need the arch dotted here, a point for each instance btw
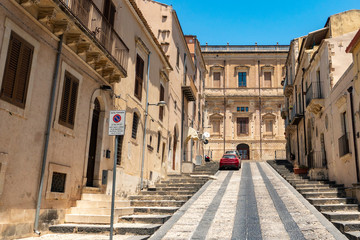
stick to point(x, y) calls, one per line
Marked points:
point(244, 151)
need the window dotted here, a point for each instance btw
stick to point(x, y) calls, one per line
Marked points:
point(267, 79)
point(177, 56)
point(158, 143)
point(109, 11)
point(17, 71)
point(68, 102)
point(162, 98)
point(119, 149)
point(242, 126)
point(269, 126)
point(139, 77)
point(242, 109)
point(242, 79)
point(135, 126)
point(216, 127)
point(58, 182)
point(216, 79)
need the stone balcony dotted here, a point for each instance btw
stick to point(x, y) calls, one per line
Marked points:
point(189, 89)
point(244, 92)
point(85, 31)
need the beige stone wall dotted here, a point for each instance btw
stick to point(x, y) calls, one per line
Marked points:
point(248, 97)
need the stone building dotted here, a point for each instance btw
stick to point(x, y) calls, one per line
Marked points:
point(64, 66)
point(243, 97)
point(320, 100)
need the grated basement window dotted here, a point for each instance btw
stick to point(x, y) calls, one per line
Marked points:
point(58, 182)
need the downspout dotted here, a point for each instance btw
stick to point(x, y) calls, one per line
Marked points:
point(47, 134)
point(298, 146)
point(350, 89)
point(145, 121)
point(260, 109)
point(303, 108)
point(183, 115)
point(224, 105)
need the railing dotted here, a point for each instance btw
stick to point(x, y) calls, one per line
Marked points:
point(93, 19)
point(245, 48)
point(313, 92)
point(317, 159)
point(213, 92)
point(343, 145)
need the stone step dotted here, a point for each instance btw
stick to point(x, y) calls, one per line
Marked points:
point(197, 185)
point(353, 235)
point(319, 189)
point(102, 211)
point(347, 226)
point(336, 207)
point(184, 181)
point(150, 219)
point(91, 190)
point(101, 204)
point(304, 185)
point(158, 203)
point(79, 228)
point(97, 197)
point(322, 201)
point(177, 193)
point(189, 188)
point(155, 210)
point(322, 194)
point(136, 228)
point(87, 219)
point(161, 197)
point(342, 216)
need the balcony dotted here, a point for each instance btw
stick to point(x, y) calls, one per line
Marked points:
point(189, 89)
point(245, 48)
point(284, 112)
point(243, 92)
point(296, 115)
point(288, 88)
point(343, 145)
point(314, 99)
point(86, 32)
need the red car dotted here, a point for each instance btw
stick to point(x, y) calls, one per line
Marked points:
point(229, 161)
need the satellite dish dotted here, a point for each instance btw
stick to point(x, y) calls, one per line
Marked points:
point(206, 134)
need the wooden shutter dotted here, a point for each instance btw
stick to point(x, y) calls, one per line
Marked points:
point(139, 77)
point(162, 98)
point(69, 100)
point(242, 126)
point(134, 126)
point(17, 71)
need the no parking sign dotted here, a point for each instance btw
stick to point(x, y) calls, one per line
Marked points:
point(117, 123)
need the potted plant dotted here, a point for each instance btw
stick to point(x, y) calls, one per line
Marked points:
point(301, 169)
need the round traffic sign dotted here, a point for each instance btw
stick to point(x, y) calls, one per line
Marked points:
point(117, 118)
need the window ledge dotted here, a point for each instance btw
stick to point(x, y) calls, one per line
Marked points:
point(346, 157)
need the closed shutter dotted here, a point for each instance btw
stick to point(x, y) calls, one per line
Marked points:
point(17, 71)
point(119, 149)
point(242, 126)
point(69, 100)
point(267, 78)
point(139, 77)
point(162, 98)
point(135, 126)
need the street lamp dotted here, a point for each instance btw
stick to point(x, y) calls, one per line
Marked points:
point(159, 104)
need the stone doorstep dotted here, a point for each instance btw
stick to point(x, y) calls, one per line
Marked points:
point(150, 219)
point(342, 216)
point(98, 197)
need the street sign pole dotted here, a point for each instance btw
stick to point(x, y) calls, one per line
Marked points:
point(116, 128)
point(113, 191)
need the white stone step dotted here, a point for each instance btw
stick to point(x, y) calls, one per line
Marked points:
point(102, 211)
point(87, 219)
point(101, 204)
point(97, 197)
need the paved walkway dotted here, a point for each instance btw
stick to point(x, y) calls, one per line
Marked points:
point(253, 203)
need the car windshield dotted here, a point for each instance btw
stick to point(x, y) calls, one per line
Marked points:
point(229, 156)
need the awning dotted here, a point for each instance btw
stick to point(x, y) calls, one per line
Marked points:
point(192, 134)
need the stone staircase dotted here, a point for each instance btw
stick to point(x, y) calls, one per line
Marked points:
point(327, 196)
point(141, 215)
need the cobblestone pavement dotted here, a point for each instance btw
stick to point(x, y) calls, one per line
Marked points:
point(253, 203)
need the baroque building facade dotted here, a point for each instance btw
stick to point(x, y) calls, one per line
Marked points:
point(243, 98)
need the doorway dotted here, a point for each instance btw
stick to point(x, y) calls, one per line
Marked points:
point(92, 146)
point(244, 151)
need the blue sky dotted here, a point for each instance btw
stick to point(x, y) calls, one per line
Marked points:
point(247, 22)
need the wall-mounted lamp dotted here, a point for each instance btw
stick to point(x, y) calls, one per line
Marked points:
point(159, 104)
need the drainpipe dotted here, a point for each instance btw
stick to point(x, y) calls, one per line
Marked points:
point(298, 146)
point(260, 108)
point(47, 134)
point(350, 89)
point(183, 116)
point(145, 121)
point(303, 108)
point(224, 105)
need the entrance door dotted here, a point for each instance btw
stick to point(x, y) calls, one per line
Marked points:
point(174, 149)
point(244, 151)
point(92, 147)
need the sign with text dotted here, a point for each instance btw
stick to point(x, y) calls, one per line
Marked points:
point(117, 123)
